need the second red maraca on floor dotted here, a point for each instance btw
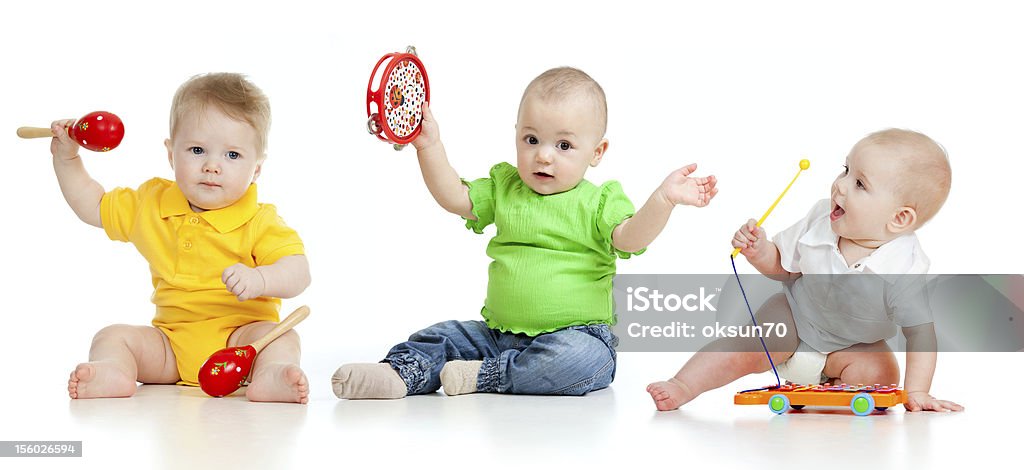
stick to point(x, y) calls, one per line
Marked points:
point(227, 369)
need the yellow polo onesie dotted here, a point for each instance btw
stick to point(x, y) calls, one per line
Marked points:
point(187, 253)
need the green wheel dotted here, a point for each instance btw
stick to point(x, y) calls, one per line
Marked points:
point(779, 404)
point(862, 404)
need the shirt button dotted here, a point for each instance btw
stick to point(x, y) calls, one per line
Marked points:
point(194, 220)
point(187, 245)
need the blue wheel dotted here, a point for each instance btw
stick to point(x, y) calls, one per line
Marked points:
point(779, 404)
point(862, 404)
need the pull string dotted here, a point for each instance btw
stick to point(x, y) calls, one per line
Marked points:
point(751, 311)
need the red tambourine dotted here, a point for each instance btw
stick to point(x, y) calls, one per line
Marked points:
point(395, 109)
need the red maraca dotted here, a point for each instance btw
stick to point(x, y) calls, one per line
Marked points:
point(226, 370)
point(98, 131)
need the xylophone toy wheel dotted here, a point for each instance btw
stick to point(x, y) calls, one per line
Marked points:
point(779, 404)
point(862, 403)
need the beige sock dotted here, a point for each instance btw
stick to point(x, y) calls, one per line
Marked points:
point(459, 377)
point(377, 380)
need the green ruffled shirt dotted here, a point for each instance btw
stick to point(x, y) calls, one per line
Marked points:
point(553, 255)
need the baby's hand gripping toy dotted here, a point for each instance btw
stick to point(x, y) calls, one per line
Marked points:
point(98, 131)
point(226, 370)
point(395, 109)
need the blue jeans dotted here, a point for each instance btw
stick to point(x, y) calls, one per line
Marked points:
point(571, 361)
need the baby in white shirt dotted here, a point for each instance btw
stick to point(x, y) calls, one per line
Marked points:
point(893, 182)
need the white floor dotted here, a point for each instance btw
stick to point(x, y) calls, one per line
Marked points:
point(178, 427)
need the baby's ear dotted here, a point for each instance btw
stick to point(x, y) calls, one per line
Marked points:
point(170, 154)
point(599, 152)
point(903, 221)
point(259, 167)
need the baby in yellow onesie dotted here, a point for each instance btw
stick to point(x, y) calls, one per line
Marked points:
point(220, 261)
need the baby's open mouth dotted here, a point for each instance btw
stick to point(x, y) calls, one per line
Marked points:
point(542, 175)
point(837, 212)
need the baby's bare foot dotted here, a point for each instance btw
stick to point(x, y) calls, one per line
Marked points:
point(669, 395)
point(285, 383)
point(360, 381)
point(100, 380)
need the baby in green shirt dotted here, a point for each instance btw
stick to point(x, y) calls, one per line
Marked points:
point(549, 303)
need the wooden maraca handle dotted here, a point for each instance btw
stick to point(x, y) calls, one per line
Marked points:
point(288, 323)
point(34, 132)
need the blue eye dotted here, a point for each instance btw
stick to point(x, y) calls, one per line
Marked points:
point(234, 155)
point(563, 145)
point(196, 150)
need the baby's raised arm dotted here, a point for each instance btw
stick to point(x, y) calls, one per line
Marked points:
point(635, 233)
point(441, 179)
point(81, 192)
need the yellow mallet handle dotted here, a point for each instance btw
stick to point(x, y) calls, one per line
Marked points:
point(804, 164)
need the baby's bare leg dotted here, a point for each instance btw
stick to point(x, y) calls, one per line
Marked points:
point(728, 359)
point(866, 364)
point(276, 375)
point(121, 355)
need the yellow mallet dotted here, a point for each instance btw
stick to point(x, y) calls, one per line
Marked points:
point(804, 164)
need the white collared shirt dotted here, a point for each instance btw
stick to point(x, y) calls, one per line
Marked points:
point(835, 312)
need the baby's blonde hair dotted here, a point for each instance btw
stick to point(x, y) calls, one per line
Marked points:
point(924, 184)
point(231, 93)
point(564, 82)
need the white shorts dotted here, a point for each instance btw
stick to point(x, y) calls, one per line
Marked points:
point(804, 367)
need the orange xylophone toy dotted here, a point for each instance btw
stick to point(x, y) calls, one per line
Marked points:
point(862, 399)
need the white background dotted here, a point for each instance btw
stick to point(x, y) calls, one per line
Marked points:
point(745, 89)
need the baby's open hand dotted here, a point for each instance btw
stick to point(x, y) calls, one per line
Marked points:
point(681, 188)
point(429, 133)
point(922, 401)
point(750, 239)
point(62, 146)
point(245, 282)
